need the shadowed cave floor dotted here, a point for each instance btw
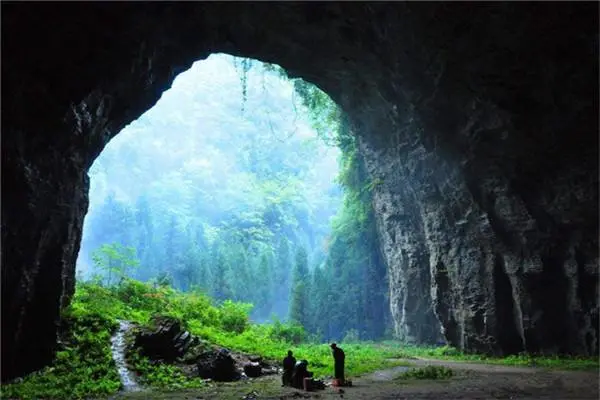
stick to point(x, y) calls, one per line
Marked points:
point(471, 381)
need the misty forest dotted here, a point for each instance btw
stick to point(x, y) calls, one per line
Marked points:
point(242, 184)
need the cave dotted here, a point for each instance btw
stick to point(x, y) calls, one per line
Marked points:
point(479, 120)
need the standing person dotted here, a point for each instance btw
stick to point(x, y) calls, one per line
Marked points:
point(288, 369)
point(338, 358)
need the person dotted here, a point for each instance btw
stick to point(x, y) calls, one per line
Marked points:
point(288, 369)
point(300, 372)
point(338, 358)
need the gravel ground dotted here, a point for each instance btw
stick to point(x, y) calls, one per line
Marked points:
point(470, 381)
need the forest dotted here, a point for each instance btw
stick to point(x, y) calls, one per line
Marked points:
point(246, 185)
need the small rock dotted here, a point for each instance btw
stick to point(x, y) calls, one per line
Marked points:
point(253, 369)
point(256, 359)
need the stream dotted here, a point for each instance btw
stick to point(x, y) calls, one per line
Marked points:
point(118, 351)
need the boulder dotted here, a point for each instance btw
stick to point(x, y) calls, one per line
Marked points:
point(218, 366)
point(253, 370)
point(165, 341)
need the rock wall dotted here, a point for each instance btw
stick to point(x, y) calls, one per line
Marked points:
point(488, 202)
point(479, 119)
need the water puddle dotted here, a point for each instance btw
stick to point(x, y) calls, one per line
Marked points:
point(118, 351)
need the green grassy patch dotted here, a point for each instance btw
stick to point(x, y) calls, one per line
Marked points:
point(451, 353)
point(258, 339)
point(159, 375)
point(269, 387)
point(84, 366)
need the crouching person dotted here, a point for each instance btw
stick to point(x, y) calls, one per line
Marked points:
point(300, 372)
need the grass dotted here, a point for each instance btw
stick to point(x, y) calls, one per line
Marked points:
point(360, 357)
point(161, 375)
point(450, 353)
point(430, 372)
point(266, 388)
point(84, 367)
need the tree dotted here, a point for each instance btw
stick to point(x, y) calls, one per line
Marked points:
point(299, 297)
point(187, 273)
point(281, 273)
point(220, 287)
point(319, 309)
point(115, 260)
point(204, 274)
point(264, 286)
point(301, 265)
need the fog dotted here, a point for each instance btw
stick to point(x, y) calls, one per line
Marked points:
point(220, 187)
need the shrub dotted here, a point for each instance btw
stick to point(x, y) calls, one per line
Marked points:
point(234, 316)
point(199, 307)
point(161, 375)
point(448, 351)
point(140, 295)
point(291, 333)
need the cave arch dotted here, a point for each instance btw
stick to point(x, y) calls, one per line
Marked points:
point(477, 154)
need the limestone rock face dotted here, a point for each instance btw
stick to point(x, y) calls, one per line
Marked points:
point(487, 205)
point(477, 121)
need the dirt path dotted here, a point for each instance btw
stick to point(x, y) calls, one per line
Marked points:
point(471, 381)
point(484, 381)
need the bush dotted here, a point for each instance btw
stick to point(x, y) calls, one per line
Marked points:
point(196, 307)
point(234, 316)
point(140, 295)
point(290, 333)
point(161, 375)
point(447, 351)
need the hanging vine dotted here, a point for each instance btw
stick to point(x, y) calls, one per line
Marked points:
point(246, 64)
point(325, 115)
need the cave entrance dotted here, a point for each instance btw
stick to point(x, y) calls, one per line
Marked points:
point(84, 83)
point(71, 82)
point(218, 187)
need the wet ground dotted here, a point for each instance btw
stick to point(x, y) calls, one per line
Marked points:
point(471, 381)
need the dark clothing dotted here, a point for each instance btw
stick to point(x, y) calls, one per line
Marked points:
point(288, 369)
point(339, 358)
point(300, 372)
